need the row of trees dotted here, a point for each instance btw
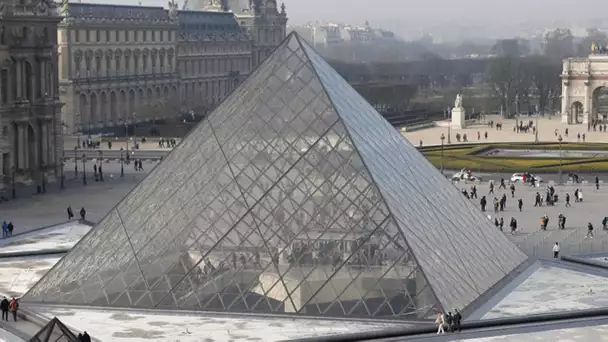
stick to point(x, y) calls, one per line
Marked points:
point(525, 84)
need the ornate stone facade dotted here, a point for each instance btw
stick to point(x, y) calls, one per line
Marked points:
point(214, 54)
point(583, 81)
point(30, 121)
point(118, 63)
point(155, 62)
point(263, 21)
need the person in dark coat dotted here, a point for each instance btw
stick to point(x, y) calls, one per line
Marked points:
point(83, 214)
point(70, 213)
point(456, 318)
point(4, 307)
point(10, 228)
point(86, 337)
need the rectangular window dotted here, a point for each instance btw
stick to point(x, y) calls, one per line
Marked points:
point(126, 35)
point(76, 36)
point(88, 36)
point(145, 36)
point(97, 36)
point(162, 35)
point(136, 36)
point(117, 36)
point(107, 36)
point(153, 36)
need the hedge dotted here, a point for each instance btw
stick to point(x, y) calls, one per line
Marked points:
point(461, 156)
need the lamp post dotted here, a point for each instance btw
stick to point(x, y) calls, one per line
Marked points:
point(76, 160)
point(559, 139)
point(62, 177)
point(122, 166)
point(100, 163)
point(449, 126)
point(134, 135)
point(84, 169)
point(127, 134)
point(14, 192)
point(43, 169)
point(442, 139)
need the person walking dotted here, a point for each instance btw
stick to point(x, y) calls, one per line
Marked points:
point(70, 213)
point(10, 228)
point(597, 183)
point(439, 320)
point(491, 188)
point(520, 204)
point(457, 318)
point(568, 200)
point(449, 322)
point(83, 214)
point(4, 304)
point(556, 251)
point(589, 231)
point(4, 229)
point(580, 195)
point(13, 306)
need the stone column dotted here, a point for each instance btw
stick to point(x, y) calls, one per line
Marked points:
point(22, 146)
point(26, 147)
point(587, 105)
point(19, 72)
point(44, 130)
point(43, 78)
point(566, 103)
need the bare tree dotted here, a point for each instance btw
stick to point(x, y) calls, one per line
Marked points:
point(558, 44)
point(545, 79)
point(502, 76)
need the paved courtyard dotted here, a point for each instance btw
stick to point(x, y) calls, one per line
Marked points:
point(546, 132)
point(536, 242)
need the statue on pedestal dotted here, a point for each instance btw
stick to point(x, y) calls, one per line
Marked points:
point(458, 101)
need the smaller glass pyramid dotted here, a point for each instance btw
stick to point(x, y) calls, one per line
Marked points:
point(294, 196)
point(54, 331)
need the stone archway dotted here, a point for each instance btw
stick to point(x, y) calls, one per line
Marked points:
point(576, 113)
point(131, 102)
point(123, 106)
point(84, 111)
point(103, 109)
point(599, 103)
point(93, 120)
point(113, 109)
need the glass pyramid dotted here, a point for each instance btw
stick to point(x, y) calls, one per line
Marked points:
point(293, 196)
point(54, 331)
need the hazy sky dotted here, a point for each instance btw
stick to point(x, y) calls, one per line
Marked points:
point(416, 13)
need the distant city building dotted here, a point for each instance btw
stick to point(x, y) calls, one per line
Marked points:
point(124, 64)
point(30, 111)
point(326, 35)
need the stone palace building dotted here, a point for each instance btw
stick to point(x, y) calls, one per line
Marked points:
point(30, 111)
point(124, 64)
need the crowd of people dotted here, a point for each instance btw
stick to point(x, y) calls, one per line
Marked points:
point(452, 321)
point(548, 197)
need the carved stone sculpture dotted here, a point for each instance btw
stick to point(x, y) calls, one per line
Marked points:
point(458, 101)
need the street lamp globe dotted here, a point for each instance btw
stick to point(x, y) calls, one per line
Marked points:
point(442, 137)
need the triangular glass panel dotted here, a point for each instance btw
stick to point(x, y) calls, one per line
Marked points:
point(294, 196)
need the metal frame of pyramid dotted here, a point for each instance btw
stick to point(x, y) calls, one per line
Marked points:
point(55, 331)
point(293, 196)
